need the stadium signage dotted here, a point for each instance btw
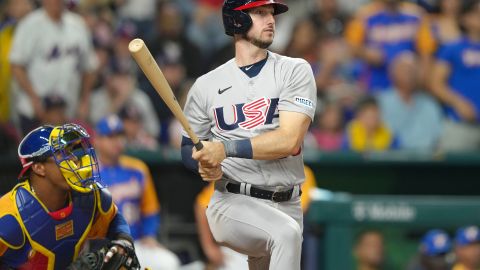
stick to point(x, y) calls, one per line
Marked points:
point(383, 211)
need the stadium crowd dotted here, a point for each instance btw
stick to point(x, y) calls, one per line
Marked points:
point(390, 74)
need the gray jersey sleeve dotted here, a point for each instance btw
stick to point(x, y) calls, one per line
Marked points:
point(300, 92)
point(196, 112)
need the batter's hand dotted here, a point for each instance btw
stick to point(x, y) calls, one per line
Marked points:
point(210, 173)
point(211, 155)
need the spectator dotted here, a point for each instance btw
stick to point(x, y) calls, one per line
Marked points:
point(10, 14)
point(55, 110)
point(206, 25)
point(328, 19)
point(139, 12)
point(369, 251)
point(437, 29)
point(170, 41)
point(177, 56)
point(434, 248)
point(224, 258)
point(133, 191)
point(467, 248)
point(135, 134)
point(379, 32)
point(367, 132)
point(64, 63)
point(175, 127)
point(335, 73)
point(455, 83)
point(119, 90)
point(121, 57)
point(9, 138)
point(304, 42)
point(413, 116)
point(328, 132)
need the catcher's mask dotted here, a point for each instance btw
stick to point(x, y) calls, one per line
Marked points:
point(70, 147)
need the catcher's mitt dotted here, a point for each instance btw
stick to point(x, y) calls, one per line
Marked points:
point(95, 260)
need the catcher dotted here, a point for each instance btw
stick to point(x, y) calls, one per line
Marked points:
point(58, 205)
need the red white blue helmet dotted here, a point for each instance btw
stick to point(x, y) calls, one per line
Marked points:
point(237, 21)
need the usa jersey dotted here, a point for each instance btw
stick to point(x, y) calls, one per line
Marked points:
point(134, 193)
point(463, 57)
point(392, 33)
point(203, 198)
point(226, 104)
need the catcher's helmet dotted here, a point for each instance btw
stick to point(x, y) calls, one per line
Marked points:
point(237, 21)
point(70, 147)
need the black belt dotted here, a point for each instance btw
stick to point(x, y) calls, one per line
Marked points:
point(276, 196)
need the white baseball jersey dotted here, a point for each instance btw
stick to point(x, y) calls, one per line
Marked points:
point(226, 104)
point(55, 55)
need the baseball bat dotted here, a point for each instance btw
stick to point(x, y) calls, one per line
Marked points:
point(149, 66)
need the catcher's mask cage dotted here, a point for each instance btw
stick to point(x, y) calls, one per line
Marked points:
point(235, 18)
point(70, 147)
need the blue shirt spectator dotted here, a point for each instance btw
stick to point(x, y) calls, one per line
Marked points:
point(463, 60)
point(380, 31)
point(413, 116)
point(455, 82)
point(417, 123)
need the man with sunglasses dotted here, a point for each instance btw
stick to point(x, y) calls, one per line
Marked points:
point(58, 205)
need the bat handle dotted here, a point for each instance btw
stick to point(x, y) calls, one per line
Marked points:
point(198, 146)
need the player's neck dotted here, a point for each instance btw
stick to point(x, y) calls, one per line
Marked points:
point(54, 198)
point(246, 53)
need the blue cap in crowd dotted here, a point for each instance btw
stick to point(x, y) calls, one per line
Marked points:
point(109, 125)
point(435, 242)
point(467, 235)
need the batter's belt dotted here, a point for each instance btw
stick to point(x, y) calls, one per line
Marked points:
point(275, 196)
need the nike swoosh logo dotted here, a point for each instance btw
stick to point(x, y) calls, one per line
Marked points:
point(248, 68)
point(223, 90)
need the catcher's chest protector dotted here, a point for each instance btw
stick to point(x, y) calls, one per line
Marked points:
point(49, 243)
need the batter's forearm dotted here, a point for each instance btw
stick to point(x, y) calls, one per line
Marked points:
point(276, 144)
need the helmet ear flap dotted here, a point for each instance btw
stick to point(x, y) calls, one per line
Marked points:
point(236, 22)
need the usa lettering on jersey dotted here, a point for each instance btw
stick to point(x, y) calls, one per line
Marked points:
point(247, 116)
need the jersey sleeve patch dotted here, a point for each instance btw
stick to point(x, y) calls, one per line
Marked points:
point(11, 233)
point(304, 102)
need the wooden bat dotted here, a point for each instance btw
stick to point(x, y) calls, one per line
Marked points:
point(147, 63)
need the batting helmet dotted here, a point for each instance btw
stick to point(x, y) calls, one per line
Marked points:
point(237, 21)
point(70, 148)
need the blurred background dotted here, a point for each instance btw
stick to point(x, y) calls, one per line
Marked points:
point(394, 148)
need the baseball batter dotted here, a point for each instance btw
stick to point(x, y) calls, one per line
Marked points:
point(253, 113)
